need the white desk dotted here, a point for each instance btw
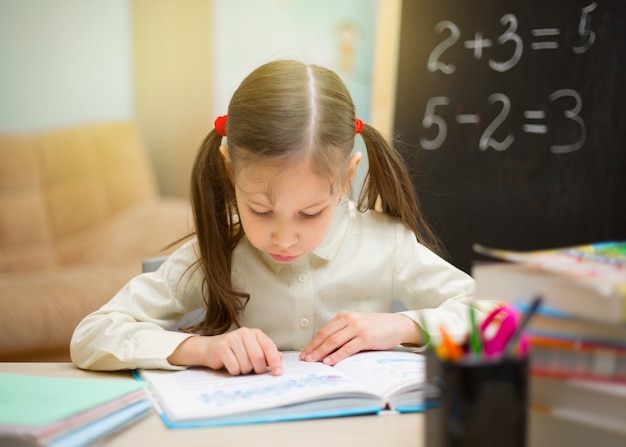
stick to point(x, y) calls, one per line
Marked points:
point(393, 430)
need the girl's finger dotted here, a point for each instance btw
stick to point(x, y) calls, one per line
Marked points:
point(311, 351)
point(272, 356)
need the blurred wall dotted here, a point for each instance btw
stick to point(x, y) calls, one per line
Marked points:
point(173, 84)
point(386, 48)
point(173, 64)
point(64, 62)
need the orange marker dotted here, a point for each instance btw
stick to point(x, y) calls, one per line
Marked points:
point(454, 351)
point(442, 352)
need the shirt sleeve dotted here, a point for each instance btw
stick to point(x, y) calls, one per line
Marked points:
point(435, 292)
point(131, 330)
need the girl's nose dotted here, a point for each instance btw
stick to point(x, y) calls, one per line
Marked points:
point(284, 236)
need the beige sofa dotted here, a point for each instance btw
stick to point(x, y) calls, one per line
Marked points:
point(79, 212)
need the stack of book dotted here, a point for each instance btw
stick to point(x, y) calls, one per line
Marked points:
point(67, 412)
point(577, 339)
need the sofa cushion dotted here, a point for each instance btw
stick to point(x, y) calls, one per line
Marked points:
point(40, 309)
point(139, 232)
point(79, 212)
point(57, 183)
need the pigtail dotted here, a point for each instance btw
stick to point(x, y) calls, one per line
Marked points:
point(388, 188)
point(213, 202)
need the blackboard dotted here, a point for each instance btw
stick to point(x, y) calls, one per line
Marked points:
point(512, 119)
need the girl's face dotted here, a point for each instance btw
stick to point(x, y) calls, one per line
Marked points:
point(286, 210)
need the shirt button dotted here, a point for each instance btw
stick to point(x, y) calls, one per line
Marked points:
point(304, 322)
point(302, 278)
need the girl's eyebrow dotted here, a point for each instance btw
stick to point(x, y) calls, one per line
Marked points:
point(255, 197)
point(264, 204)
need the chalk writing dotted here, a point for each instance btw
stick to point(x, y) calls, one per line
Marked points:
point(434, 121)
point(545, 39)
point(562, 103)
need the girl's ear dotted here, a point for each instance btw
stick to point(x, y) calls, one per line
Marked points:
point(353, 164)
point(227, 162)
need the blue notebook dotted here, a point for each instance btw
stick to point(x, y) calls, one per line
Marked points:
point(67, 411)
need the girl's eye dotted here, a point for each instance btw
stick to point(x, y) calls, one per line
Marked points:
point(259, 213)
point(269, 213)
point(311, 216)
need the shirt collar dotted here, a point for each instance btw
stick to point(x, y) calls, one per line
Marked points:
point(329, 247)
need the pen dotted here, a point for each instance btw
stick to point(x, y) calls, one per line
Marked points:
point(509, 349)
point(474, 335)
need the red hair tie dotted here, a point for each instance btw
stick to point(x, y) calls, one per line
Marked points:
point(220, 125)
point(358, 126)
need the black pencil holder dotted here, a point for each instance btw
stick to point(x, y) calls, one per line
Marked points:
point(481, 403)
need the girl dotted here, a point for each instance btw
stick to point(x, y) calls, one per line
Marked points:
point(281, 259)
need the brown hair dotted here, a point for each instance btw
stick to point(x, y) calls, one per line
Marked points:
point(290, 111)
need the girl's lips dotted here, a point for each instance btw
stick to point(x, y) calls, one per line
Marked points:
point(281, 258)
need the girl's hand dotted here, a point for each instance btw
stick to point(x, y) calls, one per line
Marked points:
point(241, 351)
point(352, 332)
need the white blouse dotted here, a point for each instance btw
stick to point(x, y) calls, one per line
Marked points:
point(366, 261)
